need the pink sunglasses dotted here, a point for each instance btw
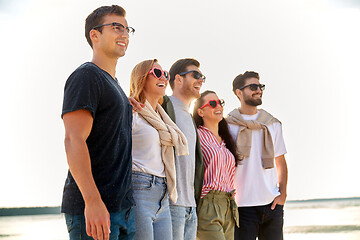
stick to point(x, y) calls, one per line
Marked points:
point(158, 73)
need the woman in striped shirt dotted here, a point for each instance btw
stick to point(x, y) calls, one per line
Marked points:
point(217, 211)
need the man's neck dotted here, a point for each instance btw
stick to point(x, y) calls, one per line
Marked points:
point(248, 110)
point(181, 97)
point(106, 64)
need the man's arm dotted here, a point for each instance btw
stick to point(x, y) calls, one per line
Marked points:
point(282, 172)
point(78, 126)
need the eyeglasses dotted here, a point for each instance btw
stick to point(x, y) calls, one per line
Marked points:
point(118, 27)
point(196, 75)
point(254, 87)
point(158, 73)
point(214, 103)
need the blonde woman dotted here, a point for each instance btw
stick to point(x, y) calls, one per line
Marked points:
point(153, 137)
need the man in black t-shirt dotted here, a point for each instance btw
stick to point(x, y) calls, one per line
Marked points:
point(97, 198)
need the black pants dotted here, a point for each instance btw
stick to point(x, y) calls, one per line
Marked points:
point(261, 222)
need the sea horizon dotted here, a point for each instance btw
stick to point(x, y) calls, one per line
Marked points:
point(310, 219)
point(50, 209)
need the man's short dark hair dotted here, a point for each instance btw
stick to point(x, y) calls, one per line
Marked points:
point(96, 18)
point(240, 79)
point(180, 66)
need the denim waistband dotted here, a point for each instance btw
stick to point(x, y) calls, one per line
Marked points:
point(149, 177)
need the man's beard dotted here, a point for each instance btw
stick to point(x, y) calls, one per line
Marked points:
point(189, 92)
point(253, 102)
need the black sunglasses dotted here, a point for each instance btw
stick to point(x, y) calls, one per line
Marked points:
point(214, 103)
point(196, 75)
point(254, 87)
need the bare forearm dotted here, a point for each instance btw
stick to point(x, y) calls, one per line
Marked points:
point(78, 125)
point(282, 171)
point(80, 167)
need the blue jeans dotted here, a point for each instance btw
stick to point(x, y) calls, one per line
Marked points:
point(261, 222)
point(122, 225)
point(152, 213)
point(184, 222)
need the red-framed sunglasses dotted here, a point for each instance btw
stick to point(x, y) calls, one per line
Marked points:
point(214, 103)
point(158, 73)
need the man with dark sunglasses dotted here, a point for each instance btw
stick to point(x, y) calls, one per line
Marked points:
point(261, 176)
point(185, 81)
point(97, 115)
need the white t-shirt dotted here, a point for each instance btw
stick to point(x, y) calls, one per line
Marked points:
point(146, 148)
point(256, 186)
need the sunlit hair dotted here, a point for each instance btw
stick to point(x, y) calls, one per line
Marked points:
point(138, 79)
point(181, 66)
point(96, 18)
point(240, 79)
point(223, 126)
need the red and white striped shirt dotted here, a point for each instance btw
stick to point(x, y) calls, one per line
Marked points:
point(219, 163)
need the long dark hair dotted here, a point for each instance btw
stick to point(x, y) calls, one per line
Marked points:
point(223, 126)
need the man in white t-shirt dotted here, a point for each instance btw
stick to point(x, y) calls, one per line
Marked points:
point(261, 175)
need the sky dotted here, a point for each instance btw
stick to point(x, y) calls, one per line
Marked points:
point(306, 52)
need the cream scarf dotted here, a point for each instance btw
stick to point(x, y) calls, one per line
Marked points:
point(170, 136)
point(243, 140)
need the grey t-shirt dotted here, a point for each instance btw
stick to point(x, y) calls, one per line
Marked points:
point(185, 165)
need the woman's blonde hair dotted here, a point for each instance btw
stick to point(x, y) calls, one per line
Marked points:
point(138, 80)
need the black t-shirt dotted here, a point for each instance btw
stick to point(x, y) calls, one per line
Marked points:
point(109, 142)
